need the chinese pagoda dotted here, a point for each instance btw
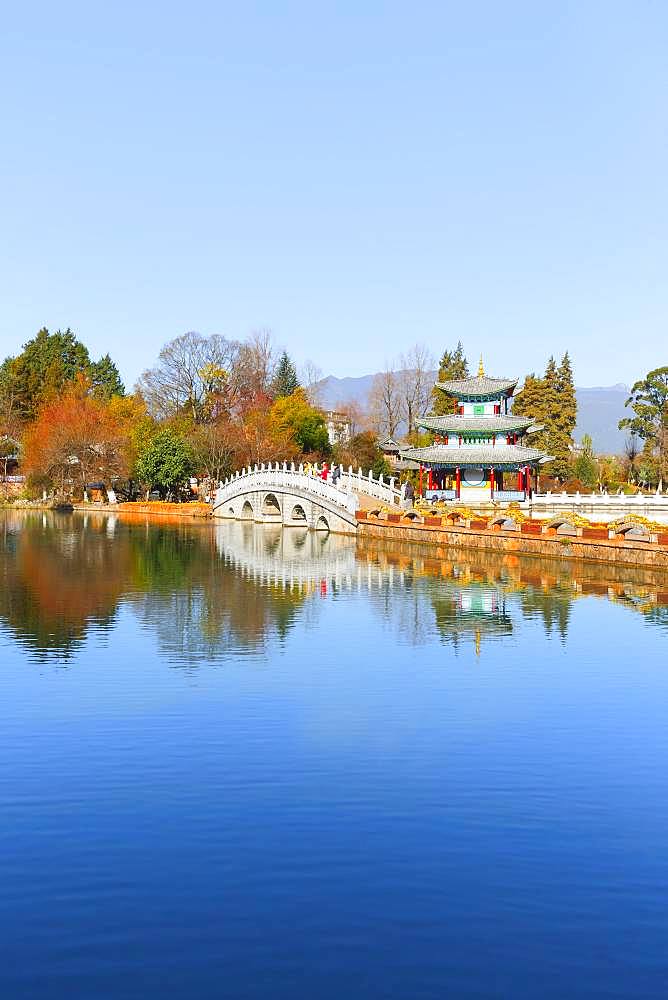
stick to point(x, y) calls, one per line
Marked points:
point(478, 444)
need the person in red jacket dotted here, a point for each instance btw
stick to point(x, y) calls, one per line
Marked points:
point(325, 471)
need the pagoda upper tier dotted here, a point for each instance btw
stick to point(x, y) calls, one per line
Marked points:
point(478, 387)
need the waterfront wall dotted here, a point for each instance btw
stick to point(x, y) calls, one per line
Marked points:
point(619, 551)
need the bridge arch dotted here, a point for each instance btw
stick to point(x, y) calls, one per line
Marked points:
point(270, 505)
point(289, 497)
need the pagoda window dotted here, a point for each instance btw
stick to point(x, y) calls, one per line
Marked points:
point(497, 409)
point(461, 409)
point(446, 439)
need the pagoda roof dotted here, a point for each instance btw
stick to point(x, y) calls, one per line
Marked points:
point(461, 425)
point(479, 386)
point(498, 456)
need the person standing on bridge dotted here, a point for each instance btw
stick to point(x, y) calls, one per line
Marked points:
point(325, 472)
point(336, 474)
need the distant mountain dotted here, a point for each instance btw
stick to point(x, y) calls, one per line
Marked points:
point(333, 392)
point(599, 409)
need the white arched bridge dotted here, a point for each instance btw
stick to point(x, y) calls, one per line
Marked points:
point(296, 497)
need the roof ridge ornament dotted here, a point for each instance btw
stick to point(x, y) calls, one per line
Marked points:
point(481, 369)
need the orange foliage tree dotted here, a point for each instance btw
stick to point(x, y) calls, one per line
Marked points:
point(262, 439)
point(77, 438)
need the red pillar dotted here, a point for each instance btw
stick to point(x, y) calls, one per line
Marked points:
point(430, 480)
point(420, 478)
point(491, 482)
point(458, 483)
point(520, 480)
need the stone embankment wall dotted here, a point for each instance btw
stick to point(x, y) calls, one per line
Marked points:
point(193, 509)
point(529, 541)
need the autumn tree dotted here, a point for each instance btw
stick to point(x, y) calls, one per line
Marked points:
point(263, 440)
point(307, 425)
point(76, 438)
point(217, 446)
point(453, 365)
point(138, 427)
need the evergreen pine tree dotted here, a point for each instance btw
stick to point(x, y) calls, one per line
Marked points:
point(551, 401)
point(562, 422)
point(285, 380)
point(106, 378)
point(453, 365)
point(530, 402)
point(549, 439)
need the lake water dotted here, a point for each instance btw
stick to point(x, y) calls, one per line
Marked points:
point(240, 763)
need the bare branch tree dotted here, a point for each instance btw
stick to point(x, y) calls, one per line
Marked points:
point(416, 381)
point(354, 411)
point(256, 362)
point(185, 375)
point(631, 450)
point(311, 377)
point(385, 402)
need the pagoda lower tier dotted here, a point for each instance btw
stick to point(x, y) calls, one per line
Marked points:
point(476, 471)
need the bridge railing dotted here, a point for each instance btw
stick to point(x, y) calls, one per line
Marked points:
point(342, 491)
point(281, 475)
point(380, 488)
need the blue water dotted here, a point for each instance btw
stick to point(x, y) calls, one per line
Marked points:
point(240, 763)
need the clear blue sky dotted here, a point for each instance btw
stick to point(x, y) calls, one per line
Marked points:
point(354, 176)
